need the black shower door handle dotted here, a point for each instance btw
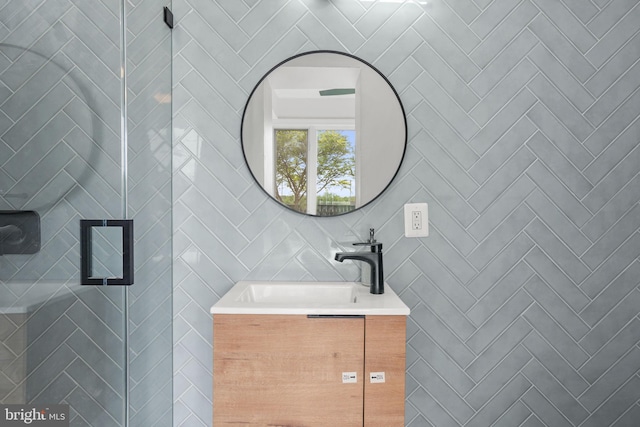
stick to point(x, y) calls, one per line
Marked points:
point(106, 251)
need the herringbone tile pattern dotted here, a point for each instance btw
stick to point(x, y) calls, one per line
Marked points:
point(524, 140)
point(60, 147)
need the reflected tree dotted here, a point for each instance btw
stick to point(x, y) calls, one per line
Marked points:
point(335, 168)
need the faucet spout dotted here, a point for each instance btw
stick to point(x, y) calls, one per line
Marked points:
point(374, 259)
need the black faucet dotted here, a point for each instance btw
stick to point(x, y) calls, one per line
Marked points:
point(373, 258)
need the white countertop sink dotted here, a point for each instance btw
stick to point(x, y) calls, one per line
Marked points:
point(332, 298)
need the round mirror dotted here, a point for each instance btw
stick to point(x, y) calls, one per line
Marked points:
point(324, 133)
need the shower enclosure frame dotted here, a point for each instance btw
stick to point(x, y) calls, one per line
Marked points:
point(66, 310)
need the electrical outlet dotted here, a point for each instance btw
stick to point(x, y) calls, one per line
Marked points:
point(416, 220)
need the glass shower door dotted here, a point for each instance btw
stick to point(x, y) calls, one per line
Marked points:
point(60, 133)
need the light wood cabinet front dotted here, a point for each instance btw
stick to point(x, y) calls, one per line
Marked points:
point(287, 370)
point(385, 351)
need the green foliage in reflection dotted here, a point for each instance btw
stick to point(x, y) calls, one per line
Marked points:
point(335, 165)
point(291, 167)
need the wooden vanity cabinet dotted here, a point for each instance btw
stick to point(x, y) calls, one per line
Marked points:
point(294, 370)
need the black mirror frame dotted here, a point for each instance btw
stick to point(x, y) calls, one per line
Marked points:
point(393, 89)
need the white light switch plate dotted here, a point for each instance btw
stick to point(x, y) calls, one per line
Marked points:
point(416, 220)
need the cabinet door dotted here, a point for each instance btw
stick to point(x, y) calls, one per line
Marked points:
point(273, 370)
point(385, 354)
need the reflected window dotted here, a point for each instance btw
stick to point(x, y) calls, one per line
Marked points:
point(315, 170)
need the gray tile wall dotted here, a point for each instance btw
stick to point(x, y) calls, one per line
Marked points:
point(524, 131)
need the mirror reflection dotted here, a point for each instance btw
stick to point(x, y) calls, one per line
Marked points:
point(323, 133)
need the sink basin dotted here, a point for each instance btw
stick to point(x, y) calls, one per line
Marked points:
point(315, 298)
point(299, 293)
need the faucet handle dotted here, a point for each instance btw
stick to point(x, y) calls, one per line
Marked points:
point(372, 244)
point(371, 241)
point(375, 246)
